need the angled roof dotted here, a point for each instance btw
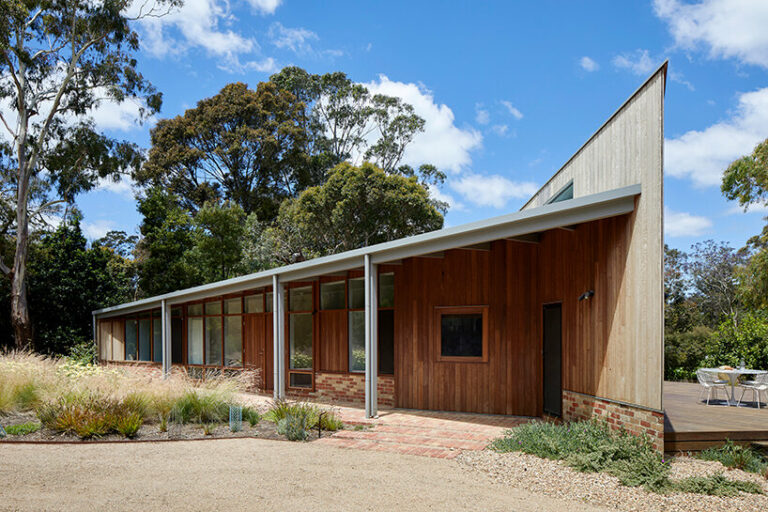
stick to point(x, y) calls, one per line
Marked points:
point(566, 213)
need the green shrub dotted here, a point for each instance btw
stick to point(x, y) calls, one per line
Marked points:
point(295, 428)
point(329, 421)
point(281, 409)
point(251, 415)
point(716, 485)
point(22, 429)
point(198, 407)
point(84, 352)
point(88, 417)
point(591, 447)
point(129, 424)
point(137, 403)
point(735, 456)
point(301, 360)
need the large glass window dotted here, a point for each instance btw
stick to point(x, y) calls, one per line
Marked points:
point(463, 333)
point(157, 340)
point(233, 341)
point(332, 295)
point(357, 341)
point(145, 338)
point(300, 351)
point(131, 338)
point(213, 340)
point(195, 340)
point(300, 299)
point(195, 309)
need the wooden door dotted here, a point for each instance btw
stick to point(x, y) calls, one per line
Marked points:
point(254, 345)
point(553, 392)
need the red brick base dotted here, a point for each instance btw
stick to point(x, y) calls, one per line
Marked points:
point(635, 420)
point(347, 388)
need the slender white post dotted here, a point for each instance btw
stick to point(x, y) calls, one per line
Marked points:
point(165, 323)
point(278, 330)
point(371, 338)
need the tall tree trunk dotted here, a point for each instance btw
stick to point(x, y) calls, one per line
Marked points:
point(22, 326)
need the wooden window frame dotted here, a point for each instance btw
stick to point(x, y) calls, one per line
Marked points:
point(221, 299)
point(315, 288)
point(460, 310)
point(360, 275)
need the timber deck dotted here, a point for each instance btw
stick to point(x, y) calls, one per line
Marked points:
point(691, 425)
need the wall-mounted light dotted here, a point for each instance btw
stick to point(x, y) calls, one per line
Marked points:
point(587, 295)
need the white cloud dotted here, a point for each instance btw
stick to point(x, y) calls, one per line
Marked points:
point(453, 204)
point(492, 190)
point(124, 187)
point(728, 28)
point(703, 155)
point(441, 143)
point(752, 208)
point(500, 129)
point(294, 39)
point(203, 24)
point(482, 116)
point(512, 110)
point(124, 116)
point(265, 6)
point(678, 224)
point(588, 64)
point(638, 62)
point(97, 229)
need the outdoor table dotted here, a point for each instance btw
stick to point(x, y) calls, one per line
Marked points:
point(733, 378)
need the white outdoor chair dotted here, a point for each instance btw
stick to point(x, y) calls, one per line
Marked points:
point(711, 384)
point(756, 386)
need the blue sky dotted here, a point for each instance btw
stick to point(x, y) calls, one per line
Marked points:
point(509, 90)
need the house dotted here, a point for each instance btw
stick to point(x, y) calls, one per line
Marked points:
point(554, 310)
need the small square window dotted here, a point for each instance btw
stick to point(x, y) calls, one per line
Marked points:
point(332, 295)
point(195, 310)
point(301, 299)
point(233, 306)
point(213, 308)
point(300, 380)
point(254, 303)
point(269, 302)
point(463, 334)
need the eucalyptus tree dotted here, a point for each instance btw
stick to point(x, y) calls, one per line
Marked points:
point(241, 145)
point(58, 60)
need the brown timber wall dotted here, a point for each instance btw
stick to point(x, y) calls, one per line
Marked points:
point(502, 278)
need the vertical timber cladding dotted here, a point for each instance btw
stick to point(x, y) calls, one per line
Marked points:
point(625, 361)
point(504, 279)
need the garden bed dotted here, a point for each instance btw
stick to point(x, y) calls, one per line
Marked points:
point(59, 400)
point(147, 432)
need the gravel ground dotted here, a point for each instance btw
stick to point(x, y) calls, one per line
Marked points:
point(553, 478)
point(248, 474)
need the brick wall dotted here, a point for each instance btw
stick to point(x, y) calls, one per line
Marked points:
point(347, 388)
point(635, 420)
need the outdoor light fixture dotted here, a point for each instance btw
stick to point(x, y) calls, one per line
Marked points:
point(586, 295)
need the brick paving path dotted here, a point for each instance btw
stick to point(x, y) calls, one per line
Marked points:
point(415, 432)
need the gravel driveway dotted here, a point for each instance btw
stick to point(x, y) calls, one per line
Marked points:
point(247, 474)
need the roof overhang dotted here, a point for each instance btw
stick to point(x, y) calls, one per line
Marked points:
point(566, 213)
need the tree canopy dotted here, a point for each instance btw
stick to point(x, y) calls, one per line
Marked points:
point(58, 61)
point(355, 207)
point(244, 146)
